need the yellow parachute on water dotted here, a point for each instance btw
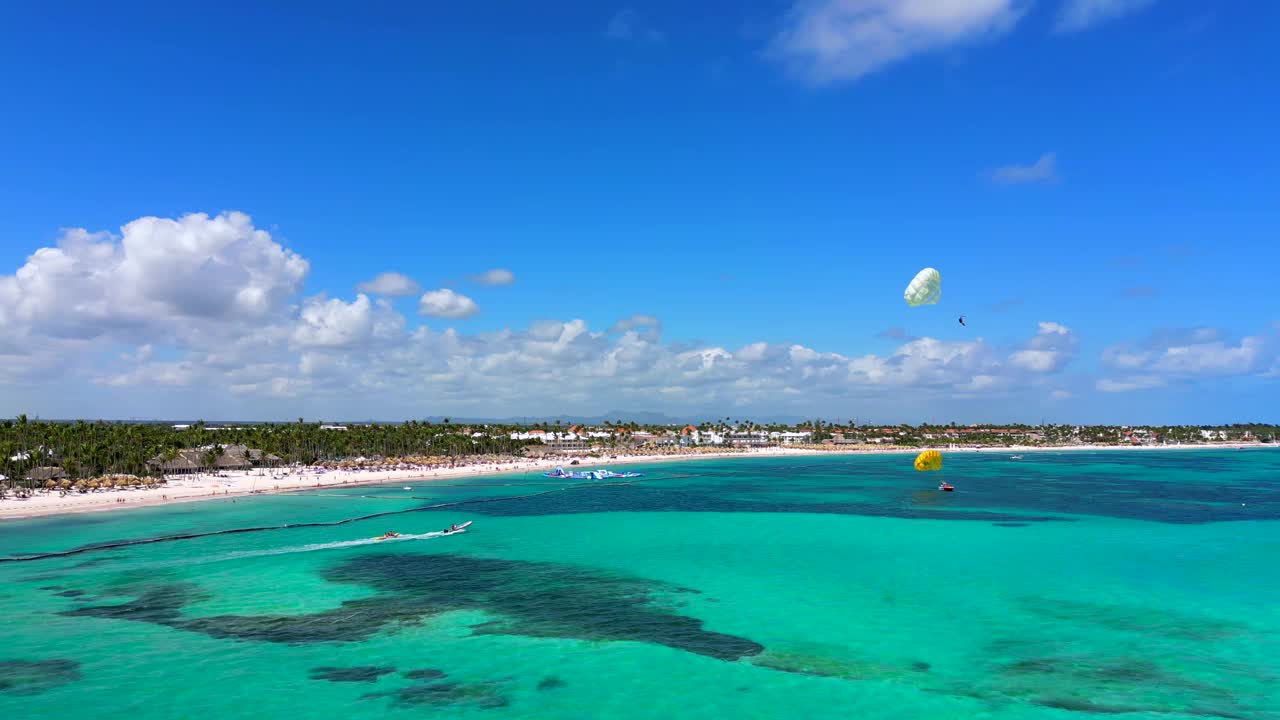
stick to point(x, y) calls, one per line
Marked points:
point(924, 289)
point(929, 460)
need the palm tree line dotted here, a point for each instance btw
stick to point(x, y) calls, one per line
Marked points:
point(95, 449)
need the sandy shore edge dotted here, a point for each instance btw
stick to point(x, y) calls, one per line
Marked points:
point(230, 485)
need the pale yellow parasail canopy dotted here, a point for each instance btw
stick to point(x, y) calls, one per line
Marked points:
point(925, 288)
point(929, 460)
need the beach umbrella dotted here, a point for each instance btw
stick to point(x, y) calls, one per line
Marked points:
point(924, 289)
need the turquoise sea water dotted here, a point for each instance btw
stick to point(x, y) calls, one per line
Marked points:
point(1062, 585)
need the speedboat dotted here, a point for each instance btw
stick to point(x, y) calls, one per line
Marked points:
point(1015, 457)
point(458, 528)
point(602, 474)
point(944, 487)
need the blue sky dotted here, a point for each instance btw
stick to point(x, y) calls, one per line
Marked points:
point(737, 174)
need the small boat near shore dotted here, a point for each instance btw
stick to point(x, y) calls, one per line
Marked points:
point(560, 474)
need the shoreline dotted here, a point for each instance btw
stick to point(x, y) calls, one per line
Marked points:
point(233, 484)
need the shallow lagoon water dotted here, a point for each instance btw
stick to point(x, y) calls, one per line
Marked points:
point(1062, 585)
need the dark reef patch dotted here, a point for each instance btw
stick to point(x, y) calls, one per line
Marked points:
point(1086, 706)
point(550, 682)
point(425, 674)
point(822, 663)
point(160, 604)
point(93, 562)
point(70, 593)
point(533, 599)
point(538, 599)
point(1136, 619)
point(32, 677)
point(1177, 488)
point(481, 695)
point(1104, 684)
point(1010, 524)
point(716, 498)
point(359, 673)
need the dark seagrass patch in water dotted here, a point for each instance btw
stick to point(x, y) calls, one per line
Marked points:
point(359, 673)
point(533, 599)
point(32, 677)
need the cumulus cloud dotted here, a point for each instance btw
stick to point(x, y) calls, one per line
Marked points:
point(445, 303)
point(496, 276)
point(1045, 169)
point(254, 339)
point(333, 323)
point(1186, 355)
point(1079, 15)
point(1048, 351)
point(88, 309)
point(831, 40)
point(391, 284)
point(160, 278)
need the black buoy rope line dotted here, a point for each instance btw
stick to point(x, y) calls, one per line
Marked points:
point(330, 523)
point(290, 526)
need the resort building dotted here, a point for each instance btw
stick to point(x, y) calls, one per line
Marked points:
point(790, 438)
point(566, 443)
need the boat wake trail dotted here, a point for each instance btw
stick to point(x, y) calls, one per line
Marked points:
point(291, 526)
point(313, 547)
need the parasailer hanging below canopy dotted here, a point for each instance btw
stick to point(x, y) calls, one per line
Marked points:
point(924, 289)
point(962, 322)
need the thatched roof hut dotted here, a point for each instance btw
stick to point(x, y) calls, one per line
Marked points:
point(46, 473)
point(232, 457)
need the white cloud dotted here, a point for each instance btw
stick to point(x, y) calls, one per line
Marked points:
point(1136, 382)
point(1048, 351)
point(446, 303)
point(270, 351)
point(1211, 358)
point(830, 40)
point(332, 323)
point(1122, 359)
point(1045, 169)
point(1185, 355)
point(496, 276)
point(391, 284)
point(158, 373)
point(1034, 360)
point(161, 278)
point(636, 321)
point(1079, 15)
